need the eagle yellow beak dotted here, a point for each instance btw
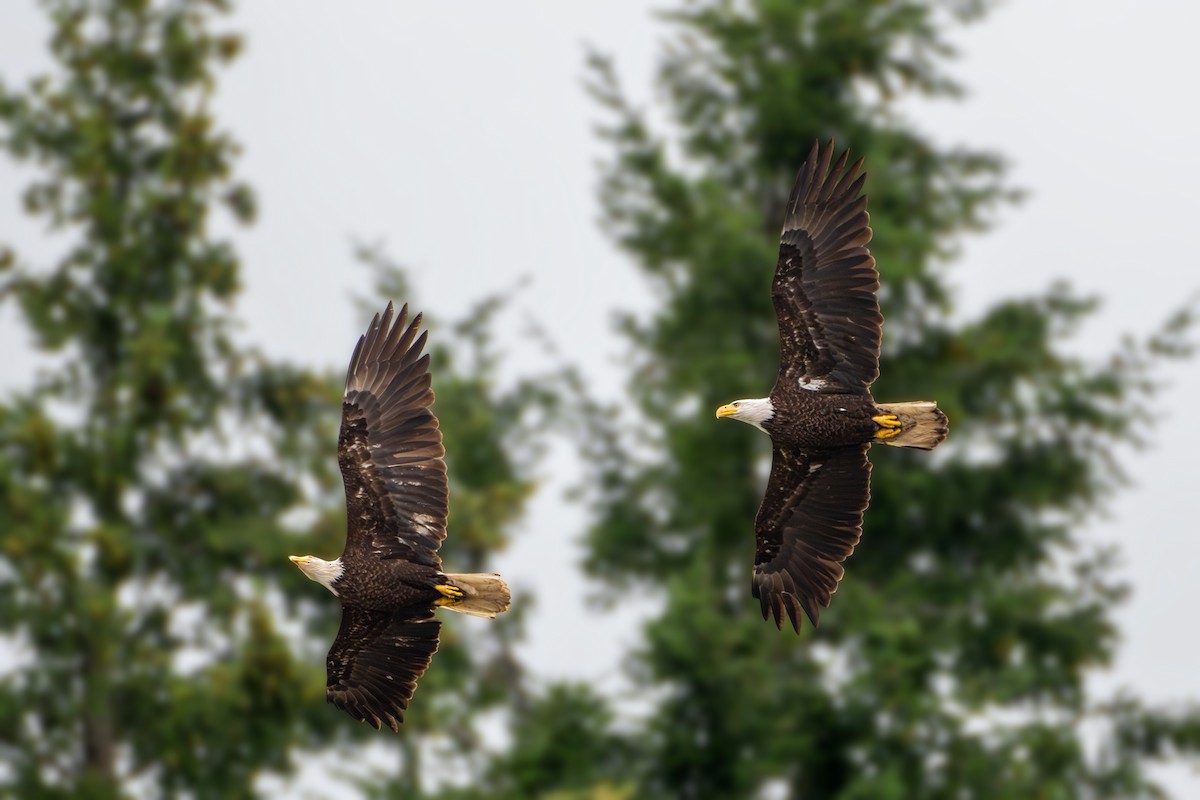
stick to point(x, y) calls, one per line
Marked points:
point(726, 410)
point(298, 560)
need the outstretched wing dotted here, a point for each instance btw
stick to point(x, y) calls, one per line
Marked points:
point(376, 660)
point(825, 282)
point(390, 449)
point(808, 524)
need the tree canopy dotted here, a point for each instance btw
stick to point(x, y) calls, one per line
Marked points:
point(954, 656)
point(156, 471)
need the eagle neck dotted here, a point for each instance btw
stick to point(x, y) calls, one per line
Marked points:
point(327, 573)
point(757, 412)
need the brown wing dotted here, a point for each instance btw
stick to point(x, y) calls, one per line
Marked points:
point(390, 449)
point(376, 660)
point(808, 523)
point(825, 282)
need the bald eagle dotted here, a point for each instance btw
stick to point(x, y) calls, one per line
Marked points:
point(389, 576)
point(820, 414)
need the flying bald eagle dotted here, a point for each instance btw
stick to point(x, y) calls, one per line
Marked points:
point(389, 576)
point(820, 414)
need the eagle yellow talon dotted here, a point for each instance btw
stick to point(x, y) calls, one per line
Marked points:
point(889, 426)
point(450, 595)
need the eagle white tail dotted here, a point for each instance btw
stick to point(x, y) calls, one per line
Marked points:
point(922, 424)
point(484, 594)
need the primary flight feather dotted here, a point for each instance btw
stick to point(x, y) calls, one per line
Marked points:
point(389, 576)
point(820, 414)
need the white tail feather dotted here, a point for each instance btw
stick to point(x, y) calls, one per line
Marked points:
point(922, 424)
point(484, 594)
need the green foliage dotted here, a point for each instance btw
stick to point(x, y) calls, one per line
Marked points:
point(562, 746)
point(152, 469)
point(133, 533)
point(152, 472)
point(953, 659)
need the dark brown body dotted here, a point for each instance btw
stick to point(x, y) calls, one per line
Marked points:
point(815, 421)
point(386, 584)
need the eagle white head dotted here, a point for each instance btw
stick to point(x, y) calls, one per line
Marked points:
point(323, 572)
point(753, 412)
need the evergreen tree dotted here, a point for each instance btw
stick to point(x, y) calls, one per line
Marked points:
point(132, 537)
point(151, 471)
point(952, 661)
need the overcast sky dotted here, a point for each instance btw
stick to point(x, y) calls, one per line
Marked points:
point(459, 135)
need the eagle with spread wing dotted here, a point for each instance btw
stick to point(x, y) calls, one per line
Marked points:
point(389, 576)
point(820, 414)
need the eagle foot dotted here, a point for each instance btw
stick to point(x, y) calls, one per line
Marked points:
point(451, 595)
point(889, 426)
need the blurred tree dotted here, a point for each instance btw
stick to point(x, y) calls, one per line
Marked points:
point(953, 659)
point(562, 747)
point(154, 476)
point(142, 489)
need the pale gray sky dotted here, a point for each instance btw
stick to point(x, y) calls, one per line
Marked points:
point(460, 135)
